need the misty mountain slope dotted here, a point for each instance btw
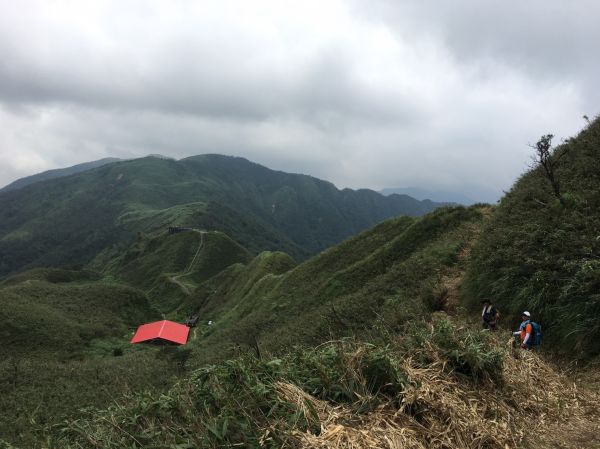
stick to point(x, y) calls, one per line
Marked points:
point(392, 273)
point(541, 255)
point(57, 173)
point(69, 220)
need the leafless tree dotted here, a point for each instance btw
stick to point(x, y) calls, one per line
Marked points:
point(549, 162)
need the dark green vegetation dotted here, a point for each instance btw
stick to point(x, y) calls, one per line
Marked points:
point(541, 254)
point(58, 173)
point(57, 315)
point(69, 220)
point(64, 346)
point(42, 390)
point(169, 267)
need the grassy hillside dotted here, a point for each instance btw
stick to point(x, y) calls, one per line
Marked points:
point(342, 349)
point(397, 271)
point(69, 220)
point(65, 333)
point(40, 391)
point(65, 345)
point(543, 255)
point(169, 267)
point(63, 321)
point(61, 311)
point(345, 349)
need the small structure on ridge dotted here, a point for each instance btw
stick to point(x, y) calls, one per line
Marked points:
point(162, 332)
point(192, 321)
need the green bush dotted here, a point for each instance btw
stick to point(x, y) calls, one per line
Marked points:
point(472, 354)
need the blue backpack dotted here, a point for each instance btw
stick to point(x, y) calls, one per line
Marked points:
point(535, 339)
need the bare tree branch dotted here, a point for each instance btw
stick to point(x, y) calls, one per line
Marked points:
point(544, 158)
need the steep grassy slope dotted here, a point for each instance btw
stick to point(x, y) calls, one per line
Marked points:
point(71, 219)
point(386, 276)
point(44, 390)
point(71, 320)
point(169, 267)
point(541, 255)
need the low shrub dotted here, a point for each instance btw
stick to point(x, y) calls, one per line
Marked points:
point(472, 354)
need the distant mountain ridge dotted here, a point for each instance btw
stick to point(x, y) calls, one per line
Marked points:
point(87, 215)
point(57, 173)
point(474, 194)
point(385, 310)
point(424, 194)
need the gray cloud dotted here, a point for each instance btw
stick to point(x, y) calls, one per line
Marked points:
point(365, 94)
point(552, 41)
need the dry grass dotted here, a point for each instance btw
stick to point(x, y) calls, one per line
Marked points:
point(438, 411)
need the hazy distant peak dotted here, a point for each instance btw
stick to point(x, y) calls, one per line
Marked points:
point(58, 173)
point(160, 156)
point(424, 194)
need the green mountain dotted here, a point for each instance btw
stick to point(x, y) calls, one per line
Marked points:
point(542, 254)
point(390, 287)
point(168, 268)
point(374, 340)
point(398, 271)
point(57, 173)
point(59, 321)
point(66, 333)
point(67, 221)
point(352, 348)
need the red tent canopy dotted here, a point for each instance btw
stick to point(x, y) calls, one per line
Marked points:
point(164, 330)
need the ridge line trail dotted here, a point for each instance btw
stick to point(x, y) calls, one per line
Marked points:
point(188, 270)
point(200, 246)
point(580, 431)
point(452, 278)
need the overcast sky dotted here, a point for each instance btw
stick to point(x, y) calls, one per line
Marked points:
point(443, 95)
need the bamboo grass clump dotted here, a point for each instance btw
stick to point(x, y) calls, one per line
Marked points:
point(441, 411)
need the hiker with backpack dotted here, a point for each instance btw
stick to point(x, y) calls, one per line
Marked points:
point(489, 315)
point(529, 333)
